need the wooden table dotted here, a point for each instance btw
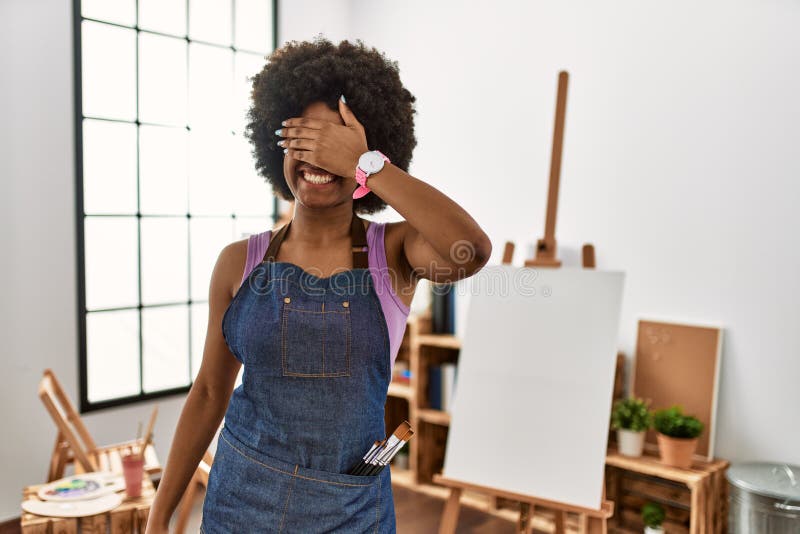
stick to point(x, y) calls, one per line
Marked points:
point(130, 517)
point(705, 505)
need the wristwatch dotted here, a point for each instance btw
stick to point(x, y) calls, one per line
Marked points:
point(368, 163)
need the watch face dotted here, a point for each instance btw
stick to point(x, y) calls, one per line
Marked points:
point(370, 162)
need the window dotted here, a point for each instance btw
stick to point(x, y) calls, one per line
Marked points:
point(165, 179)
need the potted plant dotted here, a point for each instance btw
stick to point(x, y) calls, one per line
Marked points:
point(677, 436)
point(631, 418)
point(653, 516)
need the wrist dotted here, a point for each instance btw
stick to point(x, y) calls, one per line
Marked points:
point(157, 519)
point(369, 163)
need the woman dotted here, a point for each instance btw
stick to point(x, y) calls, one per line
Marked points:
point(316, 310)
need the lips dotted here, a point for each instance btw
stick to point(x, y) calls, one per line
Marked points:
point(311, 170)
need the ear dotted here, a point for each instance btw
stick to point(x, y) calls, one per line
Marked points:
point(347, 115)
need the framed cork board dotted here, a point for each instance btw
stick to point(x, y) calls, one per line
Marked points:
point(679, 364)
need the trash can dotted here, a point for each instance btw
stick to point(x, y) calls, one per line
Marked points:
point(764, 498)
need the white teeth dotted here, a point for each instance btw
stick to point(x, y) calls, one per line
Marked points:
point(318, 179)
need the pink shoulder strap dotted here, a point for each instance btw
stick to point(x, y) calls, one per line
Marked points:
point(256, 247)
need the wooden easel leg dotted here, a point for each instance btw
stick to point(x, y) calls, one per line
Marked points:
point(597, 525)
point(450, 514)
point(525, 525)
point(558, 520)
point(583, 523)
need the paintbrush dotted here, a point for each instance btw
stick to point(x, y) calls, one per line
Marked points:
point(397, 436)
point(387, 455)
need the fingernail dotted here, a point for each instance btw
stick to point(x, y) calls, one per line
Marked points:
point(343, 100)
point(278, 131)
point(279, 143)
point(285, 150)
point(283, 123)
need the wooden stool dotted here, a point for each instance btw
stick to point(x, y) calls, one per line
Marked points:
point(130, 517)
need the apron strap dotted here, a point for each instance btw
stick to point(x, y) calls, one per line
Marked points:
point(358, 238)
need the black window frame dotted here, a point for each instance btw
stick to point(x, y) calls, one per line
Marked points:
point(85, 405)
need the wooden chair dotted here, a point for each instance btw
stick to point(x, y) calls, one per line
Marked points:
point(200, 477)
point(75, 445)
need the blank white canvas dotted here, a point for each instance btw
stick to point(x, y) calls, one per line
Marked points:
point(532, 399)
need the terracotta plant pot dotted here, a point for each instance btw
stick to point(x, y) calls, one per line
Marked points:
point(676, 452)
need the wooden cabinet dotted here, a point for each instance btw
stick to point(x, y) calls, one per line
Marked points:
point(695, 500)
point(419, 350)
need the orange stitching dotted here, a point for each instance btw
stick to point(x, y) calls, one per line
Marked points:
point(348, 346)
point(319, 375)
point(348, 343)
point(313, 311)
point(286, 505)
point(283, 338)
point(293, 474)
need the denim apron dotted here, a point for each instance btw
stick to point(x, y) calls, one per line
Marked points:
point(311, 403)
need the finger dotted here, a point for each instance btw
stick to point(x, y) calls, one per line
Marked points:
point(298, 132)
point(301, 155)
point(307, 122)
point(347, 114)
point(301, 144)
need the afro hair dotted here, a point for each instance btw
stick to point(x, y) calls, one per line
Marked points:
point(300, 73)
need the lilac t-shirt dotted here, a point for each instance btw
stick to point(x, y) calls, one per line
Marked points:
point(395, 311)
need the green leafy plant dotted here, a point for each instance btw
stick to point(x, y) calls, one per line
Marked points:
point(631, 414)
point(673, 423)
point(653, 515)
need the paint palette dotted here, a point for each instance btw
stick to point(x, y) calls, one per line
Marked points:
point(82, 487)
point(76, 508)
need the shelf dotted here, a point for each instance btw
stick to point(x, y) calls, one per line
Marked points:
point(420, 350)
point(444, 341)
point(437, 417)
point(403, 391)
point(651, 465)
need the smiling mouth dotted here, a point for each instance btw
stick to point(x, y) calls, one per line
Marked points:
point(317, 177)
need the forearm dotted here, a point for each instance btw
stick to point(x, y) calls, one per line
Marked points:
point(440, 220)
point(197, 424)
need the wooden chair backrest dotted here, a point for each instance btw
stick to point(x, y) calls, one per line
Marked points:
point(68, 420)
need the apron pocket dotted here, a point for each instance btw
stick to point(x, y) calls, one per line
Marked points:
point(315, 342)
point(285, 497)
point(243, 491)
point(335, 502)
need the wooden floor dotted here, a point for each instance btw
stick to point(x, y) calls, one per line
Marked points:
point(419, 513)
point(416, 513)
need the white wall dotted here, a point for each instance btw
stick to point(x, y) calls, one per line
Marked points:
point(680, 162)
point(303, 19)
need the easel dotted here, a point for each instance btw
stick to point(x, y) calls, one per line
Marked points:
point(590, 521)
point(546, 246)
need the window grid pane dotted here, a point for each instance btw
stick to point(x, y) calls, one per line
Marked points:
point(156, 212)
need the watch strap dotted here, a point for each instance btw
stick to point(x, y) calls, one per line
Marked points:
point(362, 175)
